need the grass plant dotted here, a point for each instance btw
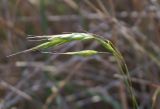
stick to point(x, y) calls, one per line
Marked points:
point(55, 40)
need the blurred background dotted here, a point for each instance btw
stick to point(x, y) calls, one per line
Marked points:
point(43, 81)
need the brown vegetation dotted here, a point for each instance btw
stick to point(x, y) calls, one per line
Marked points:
point(30, 81)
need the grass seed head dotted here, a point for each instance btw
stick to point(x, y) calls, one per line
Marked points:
point(83, 53)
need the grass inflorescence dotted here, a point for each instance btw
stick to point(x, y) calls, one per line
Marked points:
point(55, 40)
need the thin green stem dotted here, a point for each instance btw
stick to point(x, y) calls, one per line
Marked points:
point(122, 66)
